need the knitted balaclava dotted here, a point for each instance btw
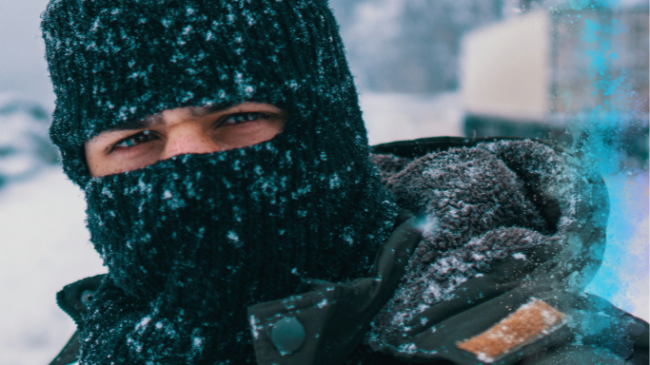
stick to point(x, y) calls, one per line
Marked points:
point(190, 242)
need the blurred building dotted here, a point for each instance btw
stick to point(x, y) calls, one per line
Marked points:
point(409, 46)
point(559, 72)
point(404, 55)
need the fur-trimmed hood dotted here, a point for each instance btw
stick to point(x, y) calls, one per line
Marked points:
point(482, 203)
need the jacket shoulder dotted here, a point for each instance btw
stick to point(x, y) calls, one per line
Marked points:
point(420, 147)
point(456, 301)
point(74, 299)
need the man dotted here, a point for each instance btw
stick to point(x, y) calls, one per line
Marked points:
point(231, 195)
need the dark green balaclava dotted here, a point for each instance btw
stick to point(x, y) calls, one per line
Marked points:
point(191, 241)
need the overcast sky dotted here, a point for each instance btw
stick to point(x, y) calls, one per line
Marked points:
point(23, 68)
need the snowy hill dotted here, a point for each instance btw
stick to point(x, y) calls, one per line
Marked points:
point(43, 246)
point(25, 146)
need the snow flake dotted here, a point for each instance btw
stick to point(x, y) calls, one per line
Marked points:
point(143, 323)
point(408, 348)
point(335, 181)
point(106, 192)
point(234, 238)
point(253, 323)
point(95, 26)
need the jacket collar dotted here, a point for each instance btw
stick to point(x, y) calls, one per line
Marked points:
point(326, 324)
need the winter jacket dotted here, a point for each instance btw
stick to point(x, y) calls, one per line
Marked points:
point(485, 265)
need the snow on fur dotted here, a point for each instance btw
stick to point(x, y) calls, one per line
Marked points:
point(487, 202)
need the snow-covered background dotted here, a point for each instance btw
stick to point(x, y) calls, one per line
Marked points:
point(43, 241)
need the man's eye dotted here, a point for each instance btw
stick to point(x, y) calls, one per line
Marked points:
point(243, 117)
point(136, 139)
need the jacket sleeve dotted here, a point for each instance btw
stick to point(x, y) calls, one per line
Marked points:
point(584, 355)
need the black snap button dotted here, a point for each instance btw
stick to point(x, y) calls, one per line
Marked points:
point(287, 335)
point(87, 297)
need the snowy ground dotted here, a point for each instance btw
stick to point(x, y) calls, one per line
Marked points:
point(44, 244)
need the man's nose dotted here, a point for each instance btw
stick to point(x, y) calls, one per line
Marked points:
point(187, 138)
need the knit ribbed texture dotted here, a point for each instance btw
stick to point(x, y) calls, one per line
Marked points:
point(196, 239)
point(190, 242)
point(114, 62)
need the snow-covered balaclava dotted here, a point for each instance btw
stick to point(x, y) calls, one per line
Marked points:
point(191, 241)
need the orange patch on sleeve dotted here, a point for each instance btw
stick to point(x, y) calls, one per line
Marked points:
point(527, 324)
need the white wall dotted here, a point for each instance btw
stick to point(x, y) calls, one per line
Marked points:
point(505, 68)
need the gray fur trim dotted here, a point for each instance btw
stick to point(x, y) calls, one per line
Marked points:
point(482, 204)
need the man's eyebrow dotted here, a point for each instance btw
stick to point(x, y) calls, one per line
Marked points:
point(143, 123)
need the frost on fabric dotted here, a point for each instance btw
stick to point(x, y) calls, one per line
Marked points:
point(407, 348)
point(519, 256)
point(196, 241)
point(209, 232)
point(481, 205)
point(255, 327)
point(143, 324)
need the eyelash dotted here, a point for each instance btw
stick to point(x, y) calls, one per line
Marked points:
point(233, 119)
point(136, 139)
point(242, 118)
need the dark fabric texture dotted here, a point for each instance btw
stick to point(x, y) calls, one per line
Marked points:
point(115, 62)
point(190, 242)
point(483, 204)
